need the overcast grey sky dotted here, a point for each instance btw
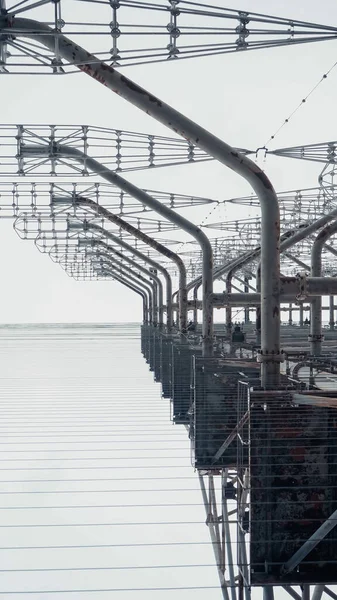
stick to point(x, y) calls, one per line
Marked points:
point(242, 98)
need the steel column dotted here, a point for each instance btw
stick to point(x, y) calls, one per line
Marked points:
point(316, 303)
point(306, 592)
point(318, 592)
point(332, 313)
point(246, 289)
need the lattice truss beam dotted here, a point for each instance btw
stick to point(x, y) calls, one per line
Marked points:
point(35, 198)
point(35, 150)
point(43, 151)
point(30, 204)
point(129, 32)
point(52, 236)
point(324, 152)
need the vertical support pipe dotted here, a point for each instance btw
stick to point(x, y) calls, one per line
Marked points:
point(229, 308)
point(290, 318)
point(332, 312)
point(246, 290)
point(227, 155)
point(301, 315)
point(195, 308)
point(306, 592)
point(318, 592)
point(316, 302)
point(258, 309)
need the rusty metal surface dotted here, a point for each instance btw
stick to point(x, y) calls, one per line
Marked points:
point(215, 410)
point(293, 466)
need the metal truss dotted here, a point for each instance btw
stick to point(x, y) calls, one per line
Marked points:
point(116, 149)
point(165, 31)
point(308, 201)
point(226, 497)
point(223, 440)
point(324, 152)
point(48, 227)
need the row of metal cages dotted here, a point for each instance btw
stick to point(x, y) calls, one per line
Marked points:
point(202, 392)
point(284, 454)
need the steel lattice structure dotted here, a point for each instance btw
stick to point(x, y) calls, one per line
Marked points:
point(116, 149)
point(254, 419)
point(181, 29)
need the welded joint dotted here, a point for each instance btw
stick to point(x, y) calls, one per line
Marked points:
point(272, 357)
point(316, 337)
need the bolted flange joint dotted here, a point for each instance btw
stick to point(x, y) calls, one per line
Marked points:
point(276, 357)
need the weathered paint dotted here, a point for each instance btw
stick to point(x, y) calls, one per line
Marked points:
point(293, 466)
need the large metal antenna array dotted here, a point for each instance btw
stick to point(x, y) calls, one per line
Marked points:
point(268, 431)
point(181, 29)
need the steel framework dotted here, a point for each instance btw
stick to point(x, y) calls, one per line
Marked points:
point(167, 31)
point(260, 418)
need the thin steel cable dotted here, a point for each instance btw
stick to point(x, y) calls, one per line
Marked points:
point(300, 105)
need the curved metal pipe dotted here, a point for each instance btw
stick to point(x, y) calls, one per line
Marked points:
point(167, 213)
point(316, 337)
point(288, 239)
point(127, 272)
point(227, 155)
point(141, 282)
point(138, 291)
point(85, 226)
point(80, 201)
point(111, 250)
point(181, 222)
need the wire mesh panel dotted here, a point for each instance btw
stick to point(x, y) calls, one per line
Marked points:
point(293, 469)
point(166, 364)
point(182, 355)
point(146, 332)
point(215, 409)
